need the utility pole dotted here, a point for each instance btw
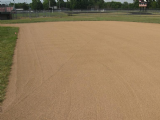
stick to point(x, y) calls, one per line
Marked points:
point(50, 6)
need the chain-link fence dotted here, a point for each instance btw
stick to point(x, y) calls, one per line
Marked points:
point(64, 13)
point(33, 14)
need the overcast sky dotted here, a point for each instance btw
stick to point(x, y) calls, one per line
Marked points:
point(29, 1)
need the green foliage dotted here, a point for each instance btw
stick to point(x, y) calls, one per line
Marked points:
point(24, 5)
point(154, 5)
point(52, 3)
point(67, 4)
point(131, 6)
point(113, 5)
point(61, 4)
point(37, 5)
point(100, 3)
point(86, 4)
point(7, 45)
point(46, 4)
point(158, 3)
point(34, 4)
point(125, 5)
point(136, 3)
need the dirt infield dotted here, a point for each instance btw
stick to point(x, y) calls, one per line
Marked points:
point(85, 71)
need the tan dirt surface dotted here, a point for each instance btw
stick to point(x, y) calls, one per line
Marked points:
point(85, 71)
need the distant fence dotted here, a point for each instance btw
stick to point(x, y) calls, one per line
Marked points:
point(33, 14)
point(62, 13)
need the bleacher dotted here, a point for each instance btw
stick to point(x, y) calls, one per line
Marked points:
point(4, 8)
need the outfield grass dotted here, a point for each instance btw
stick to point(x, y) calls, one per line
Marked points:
point(7, 45)
point(89, 17)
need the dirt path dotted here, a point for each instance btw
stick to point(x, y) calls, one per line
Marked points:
point(85, 71)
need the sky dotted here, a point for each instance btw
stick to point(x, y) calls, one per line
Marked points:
point(29, 1)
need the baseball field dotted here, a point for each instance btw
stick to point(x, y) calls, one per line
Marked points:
point(85, 70)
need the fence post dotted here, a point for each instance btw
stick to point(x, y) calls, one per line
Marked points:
point(16, 14)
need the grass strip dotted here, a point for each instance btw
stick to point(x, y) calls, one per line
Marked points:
point(7, 45)
point(89, 17)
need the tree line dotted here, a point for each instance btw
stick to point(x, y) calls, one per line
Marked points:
point(85, 4)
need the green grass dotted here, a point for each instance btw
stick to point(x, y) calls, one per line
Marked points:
point(113, 16)
point(7, 45)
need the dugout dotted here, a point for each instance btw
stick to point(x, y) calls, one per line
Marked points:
point(5, 15)
point(5, 12)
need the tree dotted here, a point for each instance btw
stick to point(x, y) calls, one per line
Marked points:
point(68, 4)
point(34, 4)
point(37, 5)
point(24, 5)
point(60, 3)
point(52, 3)
point(125, 5)
point(158, 3)
point(100, 3)
point(11, 4)
point(131, 6)
point(154, 5)
point(46, 4)
point(72, 4)
point(136, 3)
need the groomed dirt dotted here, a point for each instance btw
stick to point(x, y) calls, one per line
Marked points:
point(85, 71)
